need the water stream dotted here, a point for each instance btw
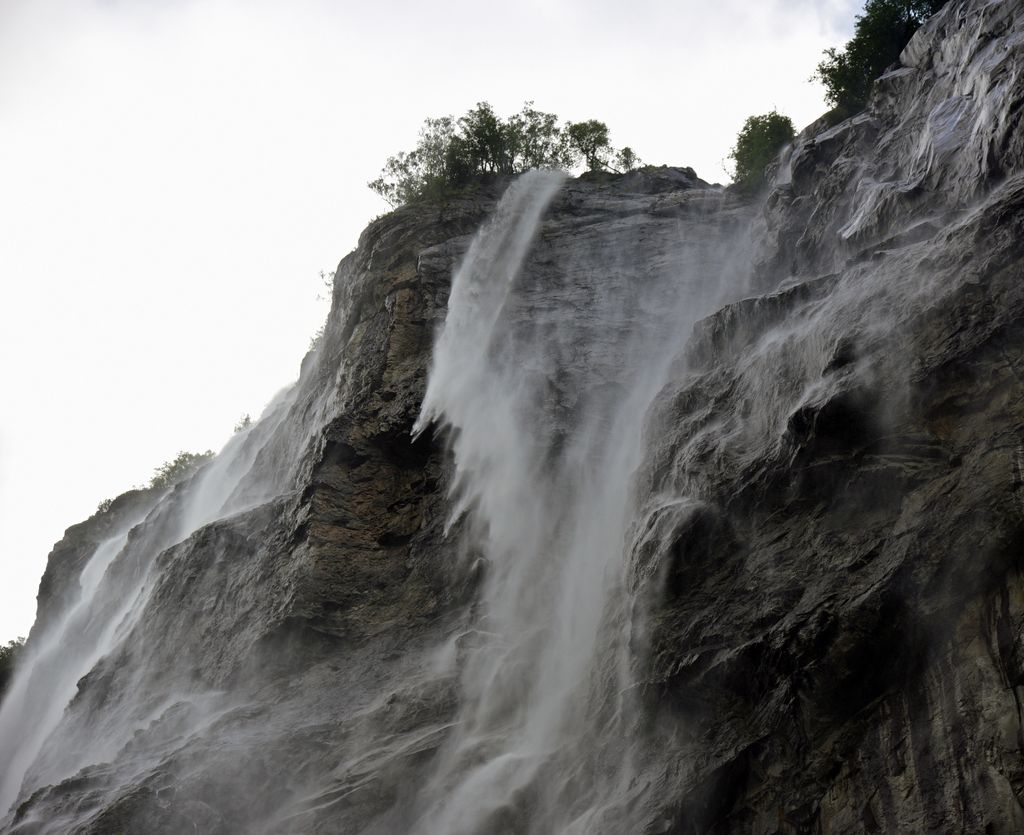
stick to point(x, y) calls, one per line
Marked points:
point(543, 375)
point(114, 587)
point(543, 380)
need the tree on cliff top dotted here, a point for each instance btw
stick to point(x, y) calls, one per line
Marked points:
point(759, 141)
point(879, 36)
point(451, 153)
point(184, 464)
point(8, 658)
point(590, 140)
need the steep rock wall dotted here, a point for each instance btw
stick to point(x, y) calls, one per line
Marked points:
point(822, 560)
point(838, 646)
point(274, 660)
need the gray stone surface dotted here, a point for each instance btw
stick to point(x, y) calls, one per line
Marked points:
point(828, 529)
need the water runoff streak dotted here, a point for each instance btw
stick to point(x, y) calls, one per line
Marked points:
point(39, 744)
point(554, 347)
point(548, 361)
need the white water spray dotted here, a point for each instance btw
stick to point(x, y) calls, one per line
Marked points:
point(544, 377)
point(553, 349)
point(115, 586)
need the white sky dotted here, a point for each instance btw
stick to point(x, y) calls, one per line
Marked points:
point(174, 175)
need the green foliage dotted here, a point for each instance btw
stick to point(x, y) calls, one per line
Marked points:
point(8, 657)
point(758, 143)
point(626, 160)
point(534, 140)
point(452, 153)
point(243, 423)
point(184, 464)
point(589, 140)
point(173, 471)
point(327, 282)
point(318, 335)
point(879, 36)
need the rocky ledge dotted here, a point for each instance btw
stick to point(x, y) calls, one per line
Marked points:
point(826, 536)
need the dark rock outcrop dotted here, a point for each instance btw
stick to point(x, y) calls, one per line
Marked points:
point(59, 587)
point(826, 537)
point(837, 645)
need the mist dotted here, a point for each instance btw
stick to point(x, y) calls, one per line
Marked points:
point(176, 175)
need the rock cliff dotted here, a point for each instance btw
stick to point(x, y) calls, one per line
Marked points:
point(705, 515)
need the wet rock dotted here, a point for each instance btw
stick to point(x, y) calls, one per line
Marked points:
point(826, 603)
point(837, 659)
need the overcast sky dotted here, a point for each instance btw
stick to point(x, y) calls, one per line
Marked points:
point(174, 175)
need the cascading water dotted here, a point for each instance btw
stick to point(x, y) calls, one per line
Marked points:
point(49, 679)
point(543, 379)
point(553, 348)
point(115, 586)
point(680, 564)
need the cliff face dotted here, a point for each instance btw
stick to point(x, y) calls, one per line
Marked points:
point(712, 524)
point(843, 619)
point(221, 657)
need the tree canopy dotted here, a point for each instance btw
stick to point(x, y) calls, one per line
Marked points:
point(8, 658)
point(759, 141)
point(590, 140)
point(879, 36)
point(184, 464)
point(452, 153)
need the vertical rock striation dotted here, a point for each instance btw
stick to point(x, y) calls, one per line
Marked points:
point(836, 646)
point(818, 617)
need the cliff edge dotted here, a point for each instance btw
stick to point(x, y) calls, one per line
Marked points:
point(705, 514)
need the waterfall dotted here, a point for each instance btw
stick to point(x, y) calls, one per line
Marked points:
point(542, 378)
point(115, 585)
point(559, 334)
point(720, 532)
point(48, 680)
